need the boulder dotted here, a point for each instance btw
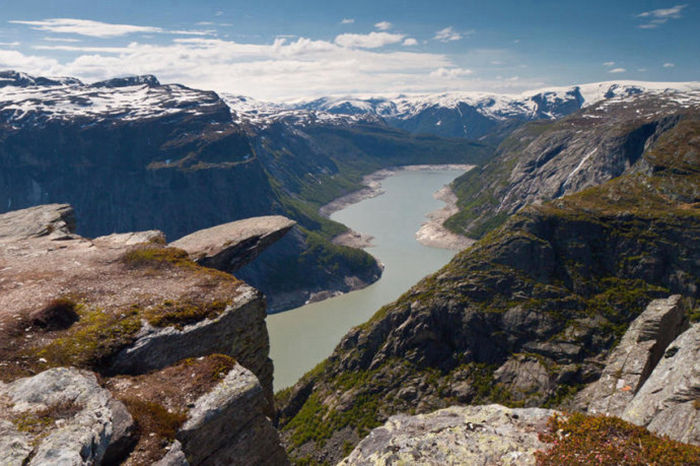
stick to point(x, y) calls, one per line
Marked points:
point(227, 426)
point(632, 361)
point(490, 434)
point(71, 420)
point(669, 401)
point(232, 245)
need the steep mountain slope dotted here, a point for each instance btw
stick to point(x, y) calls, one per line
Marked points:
point(546, 160)
point(526, 315)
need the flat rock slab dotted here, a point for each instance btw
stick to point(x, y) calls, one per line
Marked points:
point(475, 435)
point(34, 222)
point(232, 245)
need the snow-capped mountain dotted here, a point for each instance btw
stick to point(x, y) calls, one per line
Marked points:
point(26, 100)
point(261, 114)
point(474, 114)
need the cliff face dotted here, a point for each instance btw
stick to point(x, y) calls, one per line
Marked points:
point(161, 331)
point(523, 317)
point(547, 160)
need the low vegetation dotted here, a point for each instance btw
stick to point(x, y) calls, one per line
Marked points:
point(578, 439)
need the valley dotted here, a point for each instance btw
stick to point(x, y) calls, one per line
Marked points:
point(180, 262)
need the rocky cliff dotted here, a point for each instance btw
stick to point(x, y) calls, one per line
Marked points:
point(524, 317)
point(549, 159)
point(164, 352)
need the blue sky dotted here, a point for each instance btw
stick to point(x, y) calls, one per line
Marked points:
point(286, 49)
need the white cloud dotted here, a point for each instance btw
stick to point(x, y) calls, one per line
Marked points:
point(447, 35)
point(284, 68)
point(60, 39)
point(669, 65)
point(9, 44)
point(451, 73)
point(383, 25)
point(641, 70)
point(660, 16)
point(347, 21)
point(410, 41)
point(372, 40)
point(219, 13)
point(86, 27)
point(618, 70)
point(609, 63)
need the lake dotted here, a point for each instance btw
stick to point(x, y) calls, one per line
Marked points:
point(301, 338)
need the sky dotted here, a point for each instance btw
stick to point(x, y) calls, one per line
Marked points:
point(289, 49)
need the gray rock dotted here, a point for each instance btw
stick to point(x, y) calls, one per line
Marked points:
point(174, 457)
point(525, 376)
point(633, 360)
point(232, 245)
point(667, 402)
point(56, 220)
point(474, 435)
point(131, 239)
point(92, 428)
point(227, 426)
point(14, 445)
point(240, 332)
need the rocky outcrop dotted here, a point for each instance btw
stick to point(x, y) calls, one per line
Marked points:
point(62, 416)
point(490, 434)
point(44, 220)
point(669, 401)
point(227, 426)
point(148, 320)
point(239, 331)
point(232, 245)
point(631, 363)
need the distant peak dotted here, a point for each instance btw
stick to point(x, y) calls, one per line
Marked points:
point(147, 79)
point(19, 79)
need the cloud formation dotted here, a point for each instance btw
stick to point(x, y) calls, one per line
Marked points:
point(383, 25)
point(447, 35)
point(618, 70)
point(86, 27)
point(660, 16)
point(372, 40)
point(451, 73)
point(669, 65)
point(347, 21)
point(609, 63)
point(409, 41)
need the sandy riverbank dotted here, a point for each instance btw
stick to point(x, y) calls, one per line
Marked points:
point(432, 233)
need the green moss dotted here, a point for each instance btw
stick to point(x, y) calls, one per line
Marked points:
point(96, 337)
point(179, 314)
point(36, 422)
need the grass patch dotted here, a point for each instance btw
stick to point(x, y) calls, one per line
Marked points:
point(96, 337)
point(153, 418)
point(179, 314)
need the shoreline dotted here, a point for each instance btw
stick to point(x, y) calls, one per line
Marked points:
point(431, 233)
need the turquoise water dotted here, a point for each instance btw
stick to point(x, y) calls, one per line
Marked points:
point(301, 338)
